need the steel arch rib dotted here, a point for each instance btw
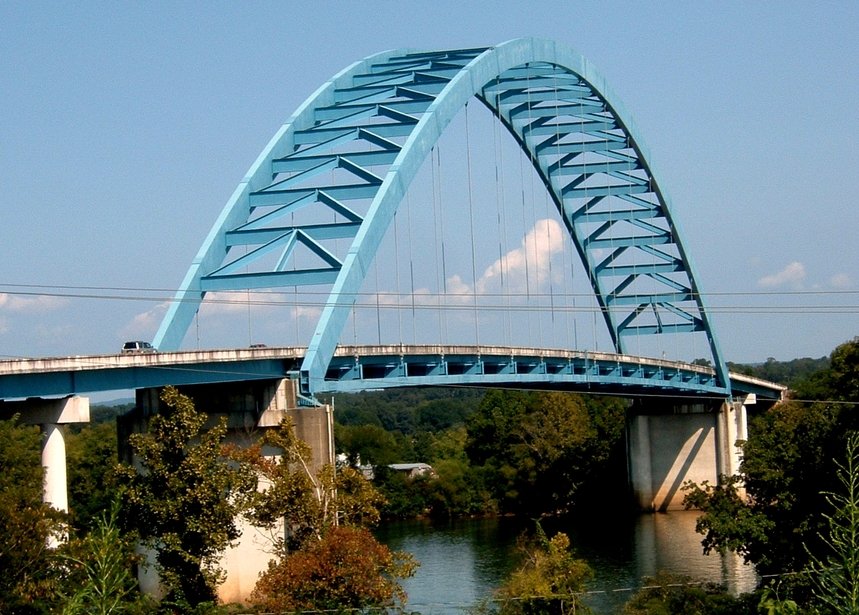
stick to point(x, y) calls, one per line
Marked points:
point(525, 82)
point(185, 304)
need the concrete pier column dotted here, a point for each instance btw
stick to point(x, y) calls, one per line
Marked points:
point(638, 443)
point(726, 436)
point(671, 443)
point(54, 462)
point(51, 415)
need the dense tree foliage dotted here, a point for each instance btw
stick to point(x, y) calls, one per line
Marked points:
point(184, 499)
point(27, 575)
point(91, 455)
point(786, 463)
point(835, 574)
point(789, 373)
point(326, 559)
point(789, 464)
point(519, 452)
point(667, 594)
point(536, 450)
point(549, 580)
point(372, 444)
point(309, 504)
point(408, 411)
point(345, 569)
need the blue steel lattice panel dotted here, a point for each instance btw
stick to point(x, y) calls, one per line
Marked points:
point(353, 147)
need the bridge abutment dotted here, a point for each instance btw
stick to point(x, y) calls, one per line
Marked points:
point(250, 408)
point(671, 443)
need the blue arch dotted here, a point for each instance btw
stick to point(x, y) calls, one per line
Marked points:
point(376, 122)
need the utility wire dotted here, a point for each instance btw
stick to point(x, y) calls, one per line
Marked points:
point(53, 290)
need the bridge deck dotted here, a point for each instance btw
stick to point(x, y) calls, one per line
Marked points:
point(356, 368)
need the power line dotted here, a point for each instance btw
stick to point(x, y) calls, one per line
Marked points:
point(172, 291)
point(259, 300)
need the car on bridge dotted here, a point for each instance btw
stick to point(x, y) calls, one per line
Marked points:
point(138, 347)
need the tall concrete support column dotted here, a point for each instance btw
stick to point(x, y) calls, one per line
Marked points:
point(734, 428)
point(54, 461)
point(669, 444)
point(50, 415)
point(638, 450)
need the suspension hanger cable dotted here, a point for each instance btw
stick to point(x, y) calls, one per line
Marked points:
point(436, 238)
point(411, 263)
point(534, 231)
point(568, 290)
point(506, 321)
point(378, 302)
point(443, 247)
point(471, 225)
point(397, 275)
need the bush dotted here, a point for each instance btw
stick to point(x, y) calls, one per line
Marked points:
point(347, 569)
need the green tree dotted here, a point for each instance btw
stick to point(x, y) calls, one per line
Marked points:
point(840, 381)
point(91, 454)
point(550, 580)
point(405, 497)
point(27, 575)
point(98, 577)
point(370, 444)
point(787, 463)
point(537, 450)
point(184, 500)
point(667, 594)
point(326, 560)
point(308, 503)
point(346, 570)
point(835, 576)
point(786, 471)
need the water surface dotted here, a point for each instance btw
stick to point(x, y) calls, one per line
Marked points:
point(463, 561)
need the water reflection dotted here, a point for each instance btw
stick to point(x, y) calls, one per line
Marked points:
point(463, 561)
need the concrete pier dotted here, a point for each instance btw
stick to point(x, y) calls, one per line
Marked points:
point(50, 415)
point(671, 443)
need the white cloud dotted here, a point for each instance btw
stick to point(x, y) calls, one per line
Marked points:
point(216, 303)
point(792, 275)
point(145, 324)
point(521, 267)
point(528, 264)
point(456, 286)
point(222, 304)
point(841, 280)
point(27, 303)
point(305, 312)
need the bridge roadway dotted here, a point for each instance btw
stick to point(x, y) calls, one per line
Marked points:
point(357, 368)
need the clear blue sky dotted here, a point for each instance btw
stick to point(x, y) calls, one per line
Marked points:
point(124, 128)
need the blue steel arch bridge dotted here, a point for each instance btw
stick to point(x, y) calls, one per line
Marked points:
point(315, 206)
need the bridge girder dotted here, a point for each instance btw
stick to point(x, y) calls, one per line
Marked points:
point(355, 368)
point(377, 121)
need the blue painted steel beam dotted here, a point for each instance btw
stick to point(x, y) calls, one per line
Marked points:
point(556, 107)
point(360, 368)
point(604, 373)
point(90, 378)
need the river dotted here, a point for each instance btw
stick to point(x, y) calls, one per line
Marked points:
point(463, 561)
